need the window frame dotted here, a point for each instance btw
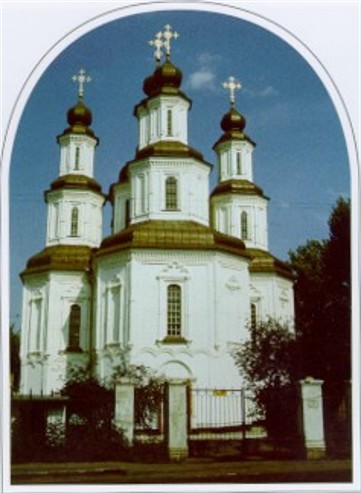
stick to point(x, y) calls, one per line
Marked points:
point(74, 221)
point(171, 193)
point(174, 311)
point(74, 328)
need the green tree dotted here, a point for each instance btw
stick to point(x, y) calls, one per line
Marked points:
point(14, 358)
point(149, 390)
point(323, 300)
point(267, 362)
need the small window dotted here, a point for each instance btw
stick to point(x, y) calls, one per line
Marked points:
point(74, 221)
point(74, 328)
point(244, 225)
point(253, 315)
point(169, 123)
point(171, 193)
point(238, 163)
point(77, 158)
point(174, 307)
point(127, 213)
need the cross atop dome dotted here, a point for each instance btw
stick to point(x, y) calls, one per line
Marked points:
point(232, 85)
point(158, 44)
point(162, 40)
point(168, 35)
point(81, 78)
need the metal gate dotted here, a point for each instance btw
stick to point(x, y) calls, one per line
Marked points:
point(222, 414)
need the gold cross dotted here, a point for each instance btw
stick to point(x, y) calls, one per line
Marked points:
point(81, 77)
point(168, 35)
point(159, 44)
point(232, 85)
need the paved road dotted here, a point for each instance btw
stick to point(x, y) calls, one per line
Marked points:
point(190, 471)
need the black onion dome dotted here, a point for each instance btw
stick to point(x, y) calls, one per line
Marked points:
point(233, 124)
point(80, 115)
point(166, 77)
point(79, 118)
point(233, 121)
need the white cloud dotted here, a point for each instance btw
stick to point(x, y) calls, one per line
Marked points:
point(202, 79)
point(265, 92)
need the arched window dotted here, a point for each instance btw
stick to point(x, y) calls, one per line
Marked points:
point(174, 308)
point(253, 315)
point(171, 193)
point(244, 225)
point(169, 123)
point(77, 157)
point(74, 221)
point(74, 328)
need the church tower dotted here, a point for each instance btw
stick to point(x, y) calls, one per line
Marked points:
point(57, 281)
point(161, 274)
point(167, 180)
point(239, 207)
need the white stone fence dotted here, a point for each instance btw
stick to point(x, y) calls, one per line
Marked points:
point(176, 417)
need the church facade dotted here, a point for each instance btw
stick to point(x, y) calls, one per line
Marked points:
point(183, 273)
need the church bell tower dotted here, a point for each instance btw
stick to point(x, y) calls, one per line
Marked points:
point(238, 205)
point(57, 293)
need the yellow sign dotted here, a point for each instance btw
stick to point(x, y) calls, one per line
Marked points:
point(219, 393)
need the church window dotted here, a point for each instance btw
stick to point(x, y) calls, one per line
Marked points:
point(253, 315)
point(74, 328)
point(127, 213)
point(77, 157)
point(74, 221)
point(174, 307)
point(169, 123)
point(113, 314)
point(35, 324)
point(244, 225)
point(171, 194)
point(142, 194)
point(238, 163)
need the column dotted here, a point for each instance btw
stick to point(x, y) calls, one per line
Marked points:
point(312, 418)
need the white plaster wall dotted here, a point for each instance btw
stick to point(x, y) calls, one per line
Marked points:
point(215, 305)
point(68, 144)
point(226, 217)
point(227, 160)
point(121, 195)
point(147, 180)
point(45, 365)
point(274, 297)
point(60, 204)
point(153, 120)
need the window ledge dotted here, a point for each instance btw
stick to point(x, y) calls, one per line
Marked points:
point(174, 340)
point(71, 349)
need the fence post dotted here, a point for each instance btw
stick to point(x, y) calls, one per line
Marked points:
point(124, 408)
point(176, 419)
point(311, 415)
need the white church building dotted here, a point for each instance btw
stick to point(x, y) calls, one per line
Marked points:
point(184, 271)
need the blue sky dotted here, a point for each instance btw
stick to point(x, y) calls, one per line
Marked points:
point(300, 160)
